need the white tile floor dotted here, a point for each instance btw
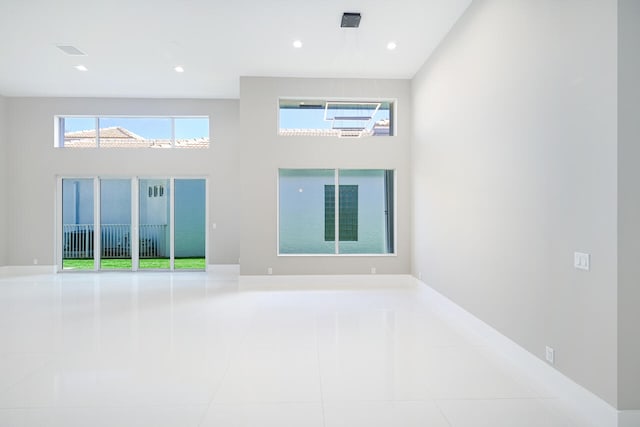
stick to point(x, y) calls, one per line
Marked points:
point(189, 349)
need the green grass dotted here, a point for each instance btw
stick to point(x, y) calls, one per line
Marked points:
point(77, 264)
point(189, 263)
point(115, 264)
point(125, 264)
point(155, 263)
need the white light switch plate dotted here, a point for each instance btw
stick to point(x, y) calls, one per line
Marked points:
point(581, 261)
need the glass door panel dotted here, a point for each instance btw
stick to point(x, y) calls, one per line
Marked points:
point(115, 224)
point(154, 219)
point(189, 224)
point(77, 224)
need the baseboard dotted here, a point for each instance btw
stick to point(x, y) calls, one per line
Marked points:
point(573, 396)
point(321, 282)
point(224, 270)
point(629, 419)
point(26, 270)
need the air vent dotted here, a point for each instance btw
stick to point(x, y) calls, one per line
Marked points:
point(71, 50)
point(350, 20)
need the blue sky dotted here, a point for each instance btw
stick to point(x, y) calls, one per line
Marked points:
point(147, 127)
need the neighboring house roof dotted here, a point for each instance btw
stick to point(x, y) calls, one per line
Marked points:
point(118, 137)
point(381, 127)
point(110, 132)
point(310, 132)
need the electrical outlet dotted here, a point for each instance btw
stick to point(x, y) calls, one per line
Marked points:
point(581, 261)
point(550, 355)
point(419, 275)
point(269, 270)
point(373, 270)
point(35, 261)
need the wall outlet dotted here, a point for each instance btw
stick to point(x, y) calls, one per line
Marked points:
point(35, 261)
point(269, 270)
point(550, 355)
point(419, 275)
point(581, 261)
point(373, 270)
point(214, 226)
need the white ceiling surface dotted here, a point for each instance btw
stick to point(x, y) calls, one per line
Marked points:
point(134, 45)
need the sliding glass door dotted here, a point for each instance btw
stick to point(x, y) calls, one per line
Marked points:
point(77, 237)
point(133, 224)
point(115, 224)
point(190, 224)
point(154, 242)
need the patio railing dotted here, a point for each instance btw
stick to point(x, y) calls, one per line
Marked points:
point(116, 241)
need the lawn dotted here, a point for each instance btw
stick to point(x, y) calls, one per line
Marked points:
point(145, 264)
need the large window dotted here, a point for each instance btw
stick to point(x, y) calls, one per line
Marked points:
point(343, 119)
point(132, 132)
point(361, 222)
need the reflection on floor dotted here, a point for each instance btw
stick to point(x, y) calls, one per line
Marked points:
point(189, 349)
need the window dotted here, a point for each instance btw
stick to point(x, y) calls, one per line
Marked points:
point(132, 132)
point(365, 211)
point(344, 119)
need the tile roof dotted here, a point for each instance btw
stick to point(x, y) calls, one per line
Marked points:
point(110, 132)
point(117, 137)
point(323, 132)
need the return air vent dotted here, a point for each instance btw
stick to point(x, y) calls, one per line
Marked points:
point(71, 50)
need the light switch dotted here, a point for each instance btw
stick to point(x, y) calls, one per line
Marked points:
point(581, 261)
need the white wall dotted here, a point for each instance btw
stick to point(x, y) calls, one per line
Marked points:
point(4, 164)
point(515, 168)
point(35, 163)
point(628, 204)
point(263, 152)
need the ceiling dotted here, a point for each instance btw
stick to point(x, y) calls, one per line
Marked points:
point(133, 46)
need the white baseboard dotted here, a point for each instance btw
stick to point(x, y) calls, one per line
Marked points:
point(224, 270)
point(26, 270)
point(573, 396)
point(320, 282)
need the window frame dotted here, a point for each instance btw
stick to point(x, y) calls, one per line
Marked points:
point(59, 136)
point(336, 184)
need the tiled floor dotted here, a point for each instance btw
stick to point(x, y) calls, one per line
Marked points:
point(189, 349)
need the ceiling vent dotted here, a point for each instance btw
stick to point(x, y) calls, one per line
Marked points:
point(350, 20)
point(71, 50)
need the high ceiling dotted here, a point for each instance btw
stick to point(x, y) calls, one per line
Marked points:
point(133, 46)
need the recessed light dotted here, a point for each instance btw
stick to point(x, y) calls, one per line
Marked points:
point(391, 45)
point(179, 69)
point(297, 44)
point(81, 68)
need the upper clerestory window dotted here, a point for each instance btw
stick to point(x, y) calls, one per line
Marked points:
point(132, 132)
point(342, 119)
